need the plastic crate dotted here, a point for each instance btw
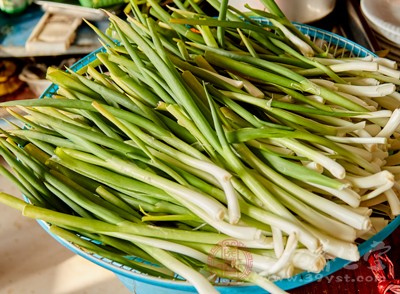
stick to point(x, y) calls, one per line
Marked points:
point(139, 283)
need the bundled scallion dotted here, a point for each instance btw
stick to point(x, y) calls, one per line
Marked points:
point(191, 135)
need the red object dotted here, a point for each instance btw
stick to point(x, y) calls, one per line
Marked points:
point(383, 270)
point(359, 277)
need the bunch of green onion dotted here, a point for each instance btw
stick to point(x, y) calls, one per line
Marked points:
point(188, 131)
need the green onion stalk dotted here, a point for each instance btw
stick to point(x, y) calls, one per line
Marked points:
point(191, 135)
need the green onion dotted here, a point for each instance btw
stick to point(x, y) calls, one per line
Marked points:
point(197, 134)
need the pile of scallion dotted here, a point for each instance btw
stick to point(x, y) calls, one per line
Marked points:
point(189, 133)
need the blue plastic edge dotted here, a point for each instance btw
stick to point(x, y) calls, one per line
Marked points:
point(286, 284)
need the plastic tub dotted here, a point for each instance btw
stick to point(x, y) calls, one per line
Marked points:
point(143, 284)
